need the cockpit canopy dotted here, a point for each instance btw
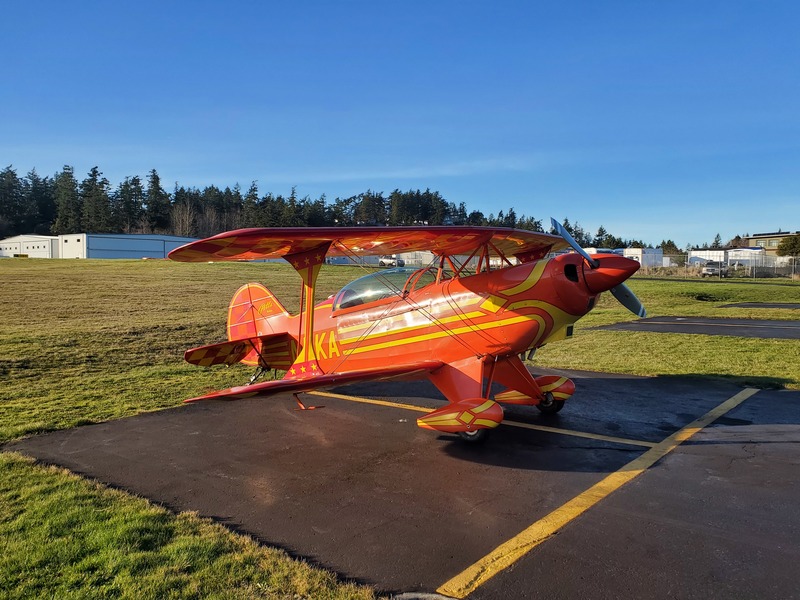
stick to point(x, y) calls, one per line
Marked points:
point(386, 283)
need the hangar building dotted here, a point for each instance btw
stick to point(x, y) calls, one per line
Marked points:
point(92, 245)
point(647, 257)
point(118, 245)
point(31, 246)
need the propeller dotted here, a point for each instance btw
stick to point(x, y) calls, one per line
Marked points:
point(629, 300)
point(621, 292)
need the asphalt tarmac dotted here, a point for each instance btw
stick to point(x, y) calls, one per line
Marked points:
point(787, 330)
point(787, 305)
point(357, 488)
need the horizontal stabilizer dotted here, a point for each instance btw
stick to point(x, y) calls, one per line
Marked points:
point(268, 388)
point(273, 351)
point(224, 353)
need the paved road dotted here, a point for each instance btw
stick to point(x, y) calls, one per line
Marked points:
point(358, 488)
point(787, 305)
point(788, 330)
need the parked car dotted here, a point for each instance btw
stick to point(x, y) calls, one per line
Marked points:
point(714, 269)
point(391, 260)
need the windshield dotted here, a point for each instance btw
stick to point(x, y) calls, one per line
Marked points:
point(382, 284)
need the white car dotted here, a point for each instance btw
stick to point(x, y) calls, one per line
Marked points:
point(391, 260)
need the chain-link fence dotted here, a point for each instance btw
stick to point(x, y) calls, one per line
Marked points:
point(762, 266)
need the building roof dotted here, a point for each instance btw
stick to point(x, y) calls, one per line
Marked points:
point(774, 234)
point(28, 236)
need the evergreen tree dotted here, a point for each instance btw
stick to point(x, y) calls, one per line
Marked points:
point(127, 205)
point(314, 212)
point(157, 209)
point(459, 213)
point(69, 210)
point(612, 242)
point(476, 218)
point(250, 207)
point(11, 202)
point(40, 212)
point(599, 240)
point(789, 246)
point(529, 224)
point(399, 213)
point(717, 243)
point(668, 247)
point(438, 214)
point(370, 209)
point(96, 204)
point(343, 211)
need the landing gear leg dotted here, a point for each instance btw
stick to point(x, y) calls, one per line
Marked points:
point(259, 372)
point(550, 405)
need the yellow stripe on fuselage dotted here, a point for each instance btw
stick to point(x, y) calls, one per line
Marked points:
point(440, 334)
point(531, 280)
point(392, 318)
point(445, 320)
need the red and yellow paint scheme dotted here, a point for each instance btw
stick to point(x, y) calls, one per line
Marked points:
point(490, 296)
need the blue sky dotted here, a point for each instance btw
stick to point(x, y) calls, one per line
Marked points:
point(657, 120)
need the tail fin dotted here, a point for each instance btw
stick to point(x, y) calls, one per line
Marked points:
point(254, 312)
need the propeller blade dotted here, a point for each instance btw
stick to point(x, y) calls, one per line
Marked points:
point(575, 246)
point(629, 300)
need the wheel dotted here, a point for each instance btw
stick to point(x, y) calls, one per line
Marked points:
point(474, 437)
point(550, 405)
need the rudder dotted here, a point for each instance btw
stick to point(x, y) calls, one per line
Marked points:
point(254, 311)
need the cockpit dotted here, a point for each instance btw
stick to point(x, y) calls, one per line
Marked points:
point(386, 283)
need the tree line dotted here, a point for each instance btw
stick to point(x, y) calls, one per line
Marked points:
point(62, 204)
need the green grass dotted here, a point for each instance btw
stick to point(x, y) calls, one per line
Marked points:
point(66, 537)
point(748, 361)
point(89, 341)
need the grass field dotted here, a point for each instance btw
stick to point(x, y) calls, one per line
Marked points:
point(88, 341)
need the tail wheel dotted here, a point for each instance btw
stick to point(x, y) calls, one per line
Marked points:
point(550, 405)
point(478, 436)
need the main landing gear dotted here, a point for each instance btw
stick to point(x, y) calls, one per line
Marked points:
point(550, 405)
point(478, 436)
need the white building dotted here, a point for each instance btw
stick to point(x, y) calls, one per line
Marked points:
point(699, 257)
point(647, 257)
point(118, 245)
point(747, 256)
point(30, 246)
point(605, 250)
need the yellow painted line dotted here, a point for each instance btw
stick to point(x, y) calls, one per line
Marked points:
point(376, 402)
point(580, 434)
point(511, 551)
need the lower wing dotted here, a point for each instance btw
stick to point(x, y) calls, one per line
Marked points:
point(327, 380)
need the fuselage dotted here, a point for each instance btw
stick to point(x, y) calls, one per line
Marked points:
point(494, 313)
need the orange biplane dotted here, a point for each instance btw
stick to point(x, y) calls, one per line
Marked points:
point(491, 295)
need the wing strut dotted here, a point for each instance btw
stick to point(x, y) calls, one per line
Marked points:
point(307, 264)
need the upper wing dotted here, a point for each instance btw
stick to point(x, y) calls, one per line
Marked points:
point(252, 244)
point(268, 388)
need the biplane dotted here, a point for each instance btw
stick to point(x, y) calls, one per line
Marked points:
point(465, 321)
